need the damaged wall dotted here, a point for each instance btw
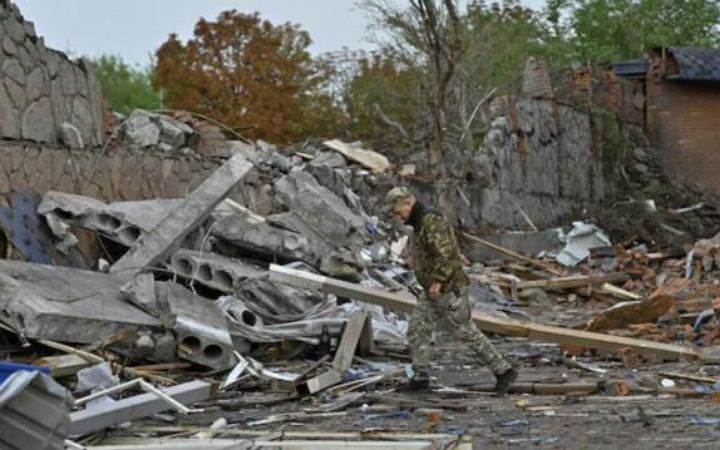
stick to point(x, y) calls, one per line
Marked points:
point(120, 175)
point(44, 96)
point(539, 157)
point(550, 154)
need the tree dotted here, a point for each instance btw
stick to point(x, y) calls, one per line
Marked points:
point(427, 34)
point(124, 86)
point(382, 101)
point(249, 74)
point(605, 30)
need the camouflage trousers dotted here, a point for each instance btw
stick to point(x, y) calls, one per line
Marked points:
point(455, 307)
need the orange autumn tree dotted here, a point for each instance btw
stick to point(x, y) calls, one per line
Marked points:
point(249, 74)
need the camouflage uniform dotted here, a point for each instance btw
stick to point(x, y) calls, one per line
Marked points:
point(437, 258)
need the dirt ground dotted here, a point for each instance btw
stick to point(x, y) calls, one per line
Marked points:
point(575, 421)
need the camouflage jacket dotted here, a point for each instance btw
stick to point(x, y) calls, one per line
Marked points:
point(435, 250)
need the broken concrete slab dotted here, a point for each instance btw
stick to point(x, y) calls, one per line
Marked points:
point(332, 160)
point(300, 192)
point(216, 271)
point(169, 234)
point(68, 305)
point(369, 159)
point(140, 291)
point(285, 237)
point(253, 236)
point(144, 129)
point(124, 221)
point(201, 328)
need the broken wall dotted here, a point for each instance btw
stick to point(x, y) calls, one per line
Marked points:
point(43, 92)
point(117, 175)
point(561, 148)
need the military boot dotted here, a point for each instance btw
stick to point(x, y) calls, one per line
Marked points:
point(418, 383)
point(505, 380)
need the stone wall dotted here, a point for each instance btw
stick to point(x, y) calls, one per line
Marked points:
point(540, 160)
point(119, 175)
point(43, 95)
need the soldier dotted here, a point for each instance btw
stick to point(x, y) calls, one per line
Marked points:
point(438, 265)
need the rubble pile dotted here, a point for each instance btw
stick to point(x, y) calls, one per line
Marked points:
point(275, 292)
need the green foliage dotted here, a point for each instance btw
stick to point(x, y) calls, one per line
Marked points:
point(609, 135)
point(605, 30)
point(126, 87)
point(381, 81)
point(500, 39)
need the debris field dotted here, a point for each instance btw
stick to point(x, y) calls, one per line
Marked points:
point(200, 323)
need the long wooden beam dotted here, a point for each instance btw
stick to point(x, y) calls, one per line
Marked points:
point(574, 281)
point(512, 254)
point(485, 322)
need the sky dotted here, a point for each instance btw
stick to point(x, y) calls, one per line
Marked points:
point(134, 29)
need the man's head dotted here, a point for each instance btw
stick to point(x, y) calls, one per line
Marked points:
point(399, 203)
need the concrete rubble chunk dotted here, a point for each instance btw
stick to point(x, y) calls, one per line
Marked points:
point(145, 129)
point(254, 236)
point(168, 235)
point(249, 235)
point(213, 270)
point(140, 131)
point(369, 159)
point(332, 160)
point(200, 327)
point(124, 221)
point(67, 305)
point(299, 191)
point(140, 291)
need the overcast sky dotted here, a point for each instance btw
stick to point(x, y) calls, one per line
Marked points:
point(134, 29)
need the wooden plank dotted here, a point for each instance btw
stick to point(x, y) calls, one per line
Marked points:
point(574, 281)
point(485, 322)
point(97, 359)
point(615, 291)
point(320, 382)
point(169, 234)
point(349, 341)
point(513, 254)
point(163, 367)
point(63, 365)
point(689, 376)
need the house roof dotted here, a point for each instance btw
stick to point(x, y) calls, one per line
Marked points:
point(636, 68)
point(698, 64)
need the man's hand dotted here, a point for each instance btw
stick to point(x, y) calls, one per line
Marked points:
point(434, 290)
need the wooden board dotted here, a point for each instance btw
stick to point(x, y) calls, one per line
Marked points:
point(485, 322)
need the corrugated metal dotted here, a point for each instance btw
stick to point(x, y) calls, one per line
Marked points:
point(696, 64)
point(34, 412)
point(636, 68)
